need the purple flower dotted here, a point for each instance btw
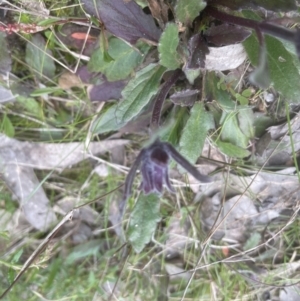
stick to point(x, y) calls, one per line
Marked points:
point(154, 161)
point(155, 169)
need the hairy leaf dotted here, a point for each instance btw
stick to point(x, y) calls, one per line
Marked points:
point(124, 19)
point(89, 77)
point(226, 34)
point(100, 89)
point(275, 5)
point(38, 57)
point(106, 91)
point(290, 47)
point(139, 92)
point(143, 220)
point(107, 122)
point(191, 74)
point(187, 11)
point(194, 133)
point(261, 76)
point(283, 72)
point(245, 119)
point(185, 98)
point(124, 60)
point(231, 150)
point(231, 131)
point(175, 123)
point(198, 50)
point(167, 47)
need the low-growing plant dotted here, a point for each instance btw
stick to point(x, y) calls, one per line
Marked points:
point(161, 62)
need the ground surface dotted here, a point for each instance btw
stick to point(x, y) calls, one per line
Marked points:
point(77, 105)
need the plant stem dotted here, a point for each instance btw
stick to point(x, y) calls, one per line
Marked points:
point(265, 27)
point(161, 96)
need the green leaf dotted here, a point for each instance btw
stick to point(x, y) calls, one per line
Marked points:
point(216, 93)
point(167, 47)
point(48, 22)
point(283, 72)
point(260, 76)
point(107, 122)
point(38, 57)
point(83, 251)
point(95, 21)
point(104, 44)
point(178, 118)
point(253, 241)
point(139, 92)
point(45, 91)
point(290, 47)
point(31, 106)
point(14, 260)
point(261, 123)
point(107, 58)
point(118, 62)
point(11, 275)
point(143, 220)
point(247, 93)
point(7, 127)
point(191, 74)
point(187, 10)
point(142, 3)
point(231, 150)
point(17, 256)
point(246, 119)
point(241, 99)
point(231, 131)
point(136, 95)
point(194, 133)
